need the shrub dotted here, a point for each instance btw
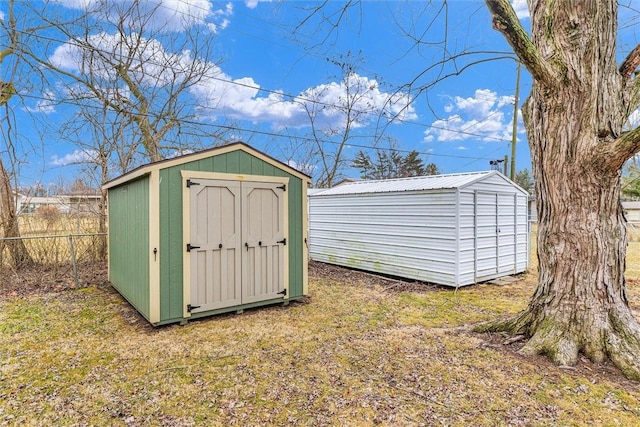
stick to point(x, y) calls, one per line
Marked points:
point(50, 215)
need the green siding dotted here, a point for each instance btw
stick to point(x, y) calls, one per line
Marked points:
point(171, 288)
point(171, 239)
point(129, 242)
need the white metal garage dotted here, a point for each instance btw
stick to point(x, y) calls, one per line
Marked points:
point(453, 230)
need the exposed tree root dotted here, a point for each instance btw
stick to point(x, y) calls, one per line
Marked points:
point(616, 338)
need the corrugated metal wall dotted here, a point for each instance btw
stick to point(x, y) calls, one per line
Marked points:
point(452, 236)
point(404, 234)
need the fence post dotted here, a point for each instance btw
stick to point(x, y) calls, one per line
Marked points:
point(73, 260)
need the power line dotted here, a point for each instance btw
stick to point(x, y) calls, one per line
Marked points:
point(403, 121)
point(298, 137)
point(284, 94)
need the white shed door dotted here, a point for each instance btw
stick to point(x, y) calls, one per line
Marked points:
point(237, 241)
point(263, 229)
point(217, 241)
point(506, 233)
point(495, 234)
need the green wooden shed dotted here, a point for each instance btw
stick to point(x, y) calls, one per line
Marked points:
point(216, 231)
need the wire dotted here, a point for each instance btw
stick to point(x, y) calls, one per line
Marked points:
point(75, 43)
point(402, 121)
point(280, 93)
point(299, 137)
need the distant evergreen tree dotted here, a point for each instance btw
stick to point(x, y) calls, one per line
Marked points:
point(391, 164)
point(524, 179)
point(432, 169)
point(362, 162)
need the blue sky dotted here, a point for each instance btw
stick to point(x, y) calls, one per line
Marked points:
point(266, 63)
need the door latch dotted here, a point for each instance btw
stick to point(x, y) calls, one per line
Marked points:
point(189, 247)
point(191, 307)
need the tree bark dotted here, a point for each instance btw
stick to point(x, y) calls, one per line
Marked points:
point(574, 118)
point(20, 257)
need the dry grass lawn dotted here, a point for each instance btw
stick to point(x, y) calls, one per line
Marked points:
point(360, 350)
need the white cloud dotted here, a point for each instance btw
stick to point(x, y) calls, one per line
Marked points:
point(162, 15)
point(151, 62)
point(178, 153)
point(521, 8)
point(218, 94)
point(240, 99)
point(306, 168)
point(46, 105)
point(252, 4)
point(479, 117)
point(77, 157)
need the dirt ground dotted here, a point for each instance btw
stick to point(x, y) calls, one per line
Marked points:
point(41, 279)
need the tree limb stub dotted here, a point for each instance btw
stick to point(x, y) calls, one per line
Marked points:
point(631, 62)
point(625, 147)
point(506, 21)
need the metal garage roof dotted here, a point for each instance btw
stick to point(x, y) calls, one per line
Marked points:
point(431, 182)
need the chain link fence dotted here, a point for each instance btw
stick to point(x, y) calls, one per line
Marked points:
point(52, 262)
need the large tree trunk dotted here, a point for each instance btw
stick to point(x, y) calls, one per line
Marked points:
point(573, 118)
point(9, 223)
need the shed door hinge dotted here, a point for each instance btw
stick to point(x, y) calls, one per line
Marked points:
point(189, 247)
point(282, 187)
point(190, 183)
point(191, 307)
point(283, 241)
point(283, 292)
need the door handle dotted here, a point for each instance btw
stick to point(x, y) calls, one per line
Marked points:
point(220, 246)
point(246, 245)
point(190, 246)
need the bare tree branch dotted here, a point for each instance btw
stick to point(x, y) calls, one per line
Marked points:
point(506, 21)
point(631, 62)
point(8, 216)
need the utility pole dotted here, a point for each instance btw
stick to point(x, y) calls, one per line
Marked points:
point(515, 126)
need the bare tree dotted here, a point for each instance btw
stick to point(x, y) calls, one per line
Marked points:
point(106, 151)
point(113, 59)
point(130, 83)
point(8, 215)
point(336, 112)
point(574, 119)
